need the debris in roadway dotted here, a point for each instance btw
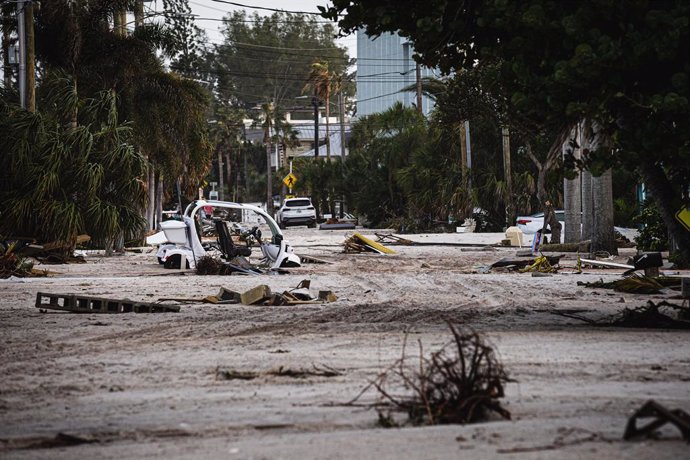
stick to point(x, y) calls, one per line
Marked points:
point(647, 317)
point(660, 416)
point(391, 239)
point(360, 243)
point(517, 263)
point(540, 265)
point(337, 226)
point(85, 304)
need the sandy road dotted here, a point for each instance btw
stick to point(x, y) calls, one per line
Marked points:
point(148, 386)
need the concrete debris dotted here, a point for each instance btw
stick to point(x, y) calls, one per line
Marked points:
point(83, 304)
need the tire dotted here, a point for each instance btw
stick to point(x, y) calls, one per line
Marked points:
point(282, 226)
point(174, 261)
point(312, 225)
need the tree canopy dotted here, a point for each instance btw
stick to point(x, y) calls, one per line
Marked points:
point(624, 65)
point(269, 57)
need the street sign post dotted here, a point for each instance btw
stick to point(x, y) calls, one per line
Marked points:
point(290, 181)
point(683, 217)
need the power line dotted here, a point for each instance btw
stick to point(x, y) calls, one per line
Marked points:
point(266, 8)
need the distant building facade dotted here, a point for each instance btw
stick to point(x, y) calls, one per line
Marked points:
point(384, 67)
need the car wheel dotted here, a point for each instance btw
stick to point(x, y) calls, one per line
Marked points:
point(282, 226)
point(313, 225)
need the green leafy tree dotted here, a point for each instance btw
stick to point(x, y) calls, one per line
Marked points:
point(168, 112)
point(69, 180)
point(622, 65)
point(269, 57)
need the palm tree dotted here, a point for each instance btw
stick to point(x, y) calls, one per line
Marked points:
point(320, 82)
point(69, 180)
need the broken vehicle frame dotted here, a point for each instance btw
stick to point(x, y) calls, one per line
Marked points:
point(275, 250)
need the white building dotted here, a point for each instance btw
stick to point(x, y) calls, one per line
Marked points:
point(384, 67)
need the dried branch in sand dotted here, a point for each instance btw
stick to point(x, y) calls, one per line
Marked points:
point(460, 383)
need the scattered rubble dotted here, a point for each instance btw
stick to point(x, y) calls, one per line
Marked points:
point(262, 295)
point(527, 262)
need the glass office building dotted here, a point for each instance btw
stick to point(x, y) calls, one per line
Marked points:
point(384, 67)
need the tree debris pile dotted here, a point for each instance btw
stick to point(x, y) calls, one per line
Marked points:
point(648, 317)
point(460, 383)
point(637, 284)
point(281, 371)
point(12, 264)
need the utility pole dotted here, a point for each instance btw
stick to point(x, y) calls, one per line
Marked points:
point(269, 169)
point(220, 175)
point(7, 69)
point(507, 174)
point(418, 70)
point(21, 32)
point(30, 58)
point(315, 103)
point(342, 125)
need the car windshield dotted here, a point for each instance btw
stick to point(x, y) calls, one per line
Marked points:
point(297, 203)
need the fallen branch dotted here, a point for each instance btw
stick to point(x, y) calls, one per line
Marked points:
point(460, 383)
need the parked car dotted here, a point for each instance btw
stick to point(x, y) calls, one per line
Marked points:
point(296, 211)
point(532, 224)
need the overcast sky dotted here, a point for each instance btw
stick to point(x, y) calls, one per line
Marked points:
point(213, 10)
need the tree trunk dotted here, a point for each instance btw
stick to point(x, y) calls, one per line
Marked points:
point(151, 205)
point(221, 172)
point(228, 176)
point(463, 153)
point(30, 58)
point(507, 176)
point(587, 205)
point(572, 202)
point(159, 202)
point(668, 202)
point(139, 13)
point(603, 238)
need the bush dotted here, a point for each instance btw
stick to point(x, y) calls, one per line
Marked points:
point(653, 235)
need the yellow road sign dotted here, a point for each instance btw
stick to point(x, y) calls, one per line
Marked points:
point(290, 180)
point(683, 217)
